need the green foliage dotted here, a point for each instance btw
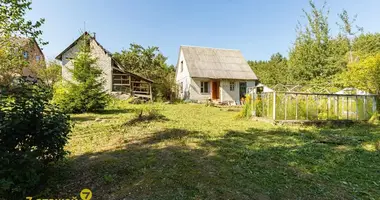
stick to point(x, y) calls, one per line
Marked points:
point(50, 74)
point(150, 63)
point(364, 73)
point(316, 55)
point(33, 134)
point(85, 93)
point(246, 112)
point(12, 26)
point(271, 72)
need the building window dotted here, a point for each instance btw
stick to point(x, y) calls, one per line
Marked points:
point(37, 58)
point(181, 87)
point(182, 66)
point(204, 87)
point(25, 54)
point(232, 86)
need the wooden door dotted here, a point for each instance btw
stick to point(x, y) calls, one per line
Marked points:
point(215, 90)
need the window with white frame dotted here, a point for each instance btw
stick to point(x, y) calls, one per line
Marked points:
point(232, 86)
point(182, 66)
point(204, 87)
point(38, 58)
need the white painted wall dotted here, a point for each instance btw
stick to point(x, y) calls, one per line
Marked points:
point(195, 89)
point(183, 77)
point(226, 93)
point(103, 62)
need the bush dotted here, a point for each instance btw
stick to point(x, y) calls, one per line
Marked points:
point(33, 134)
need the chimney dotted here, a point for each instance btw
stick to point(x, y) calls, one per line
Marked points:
point(94, 35)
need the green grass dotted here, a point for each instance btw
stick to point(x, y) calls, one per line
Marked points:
point(198, 152)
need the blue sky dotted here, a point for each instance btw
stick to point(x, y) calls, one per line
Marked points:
point(258, 28)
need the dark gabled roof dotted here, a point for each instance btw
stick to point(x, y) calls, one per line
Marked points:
point(119, 66)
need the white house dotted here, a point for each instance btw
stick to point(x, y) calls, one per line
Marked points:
point(117, 79)
point(204, 73)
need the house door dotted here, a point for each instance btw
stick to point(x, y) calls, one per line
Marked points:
point(215, 90)
point(242, 89)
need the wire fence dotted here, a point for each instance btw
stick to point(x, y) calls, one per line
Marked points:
point(313, 106)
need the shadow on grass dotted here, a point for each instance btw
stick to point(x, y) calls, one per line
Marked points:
point(252, 164)
point(146, 118)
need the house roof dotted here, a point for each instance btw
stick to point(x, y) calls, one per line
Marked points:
point(24, 41)
point(205, 62)
point(118, 65)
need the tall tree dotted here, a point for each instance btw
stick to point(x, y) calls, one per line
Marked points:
point(316, 55)
point(271, 72)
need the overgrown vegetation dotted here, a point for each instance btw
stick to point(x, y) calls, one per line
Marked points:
point(231, 159)
point(320, 58)
point(33, 134)
point(85, 93)
point(150, 63)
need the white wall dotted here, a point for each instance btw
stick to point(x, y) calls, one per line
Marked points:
point(67, 62)
point(103, 62)
point(195, 89)
point(226, 93)
point(184, 77)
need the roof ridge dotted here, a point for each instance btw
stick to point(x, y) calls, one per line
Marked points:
point(209, 47)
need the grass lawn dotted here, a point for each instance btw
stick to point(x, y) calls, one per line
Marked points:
point(198, 152)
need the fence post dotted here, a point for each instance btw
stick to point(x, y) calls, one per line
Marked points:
point(374, 104)
point(365, 107)
point(347, 107)
point(286, 102)
point(268, 107)
point(317, 106)
point(328, 106)
point(296, 106)
point(274, 105)
point(357, 105)
point(307, 107)
point(337, 107)
point(262, 102)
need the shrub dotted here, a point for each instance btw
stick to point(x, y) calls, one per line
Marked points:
point(246, 112)
point(33, 134)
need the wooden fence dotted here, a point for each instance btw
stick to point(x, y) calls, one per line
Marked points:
point(298, 106)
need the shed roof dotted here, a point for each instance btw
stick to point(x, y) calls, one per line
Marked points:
point(205, 62)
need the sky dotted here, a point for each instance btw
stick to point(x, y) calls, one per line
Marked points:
point(259, 28)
